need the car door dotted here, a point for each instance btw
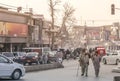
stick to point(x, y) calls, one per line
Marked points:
point(5, 67)
point(114, 57)
point(111, 58)
point(108, 58)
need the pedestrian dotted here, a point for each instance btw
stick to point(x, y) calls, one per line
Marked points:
point(59, 56)
point(84, 62)
point(45, 58)
point(67, 54)
point(96, 59)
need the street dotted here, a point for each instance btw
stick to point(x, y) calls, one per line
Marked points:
point(68, 73)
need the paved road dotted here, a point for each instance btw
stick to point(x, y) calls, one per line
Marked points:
point(68, 73)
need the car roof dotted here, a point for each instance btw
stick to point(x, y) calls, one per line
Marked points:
point(32, 52)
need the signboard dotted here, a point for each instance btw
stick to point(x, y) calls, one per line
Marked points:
point(101, 51)
point(13, 29)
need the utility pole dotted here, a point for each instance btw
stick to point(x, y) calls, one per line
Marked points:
point(85, 36)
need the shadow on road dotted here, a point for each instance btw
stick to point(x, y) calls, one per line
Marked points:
point(4, 79)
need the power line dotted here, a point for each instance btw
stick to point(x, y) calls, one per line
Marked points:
point(13, 7)
point(103, 20)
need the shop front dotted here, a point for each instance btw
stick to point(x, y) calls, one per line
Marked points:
point(13, 36)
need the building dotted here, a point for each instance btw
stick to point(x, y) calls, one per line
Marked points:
point(93, 36)
point(13, 30)
point(24, 29)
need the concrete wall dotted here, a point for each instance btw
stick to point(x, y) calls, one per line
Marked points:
point(43, 67)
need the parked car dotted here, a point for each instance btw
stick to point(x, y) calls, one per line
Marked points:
point(111, 58)
point(31, 57)
point(51, 56)
point(8, 68)
point(19, 56)
point(9, 55)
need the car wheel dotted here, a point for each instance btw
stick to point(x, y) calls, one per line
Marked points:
point(104, 61)
point(16, 75)
point(117, 62)
point(30, 63)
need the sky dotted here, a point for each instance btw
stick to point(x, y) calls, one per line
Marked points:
point(91, 12)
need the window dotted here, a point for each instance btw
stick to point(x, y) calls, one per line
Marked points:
point(15, 54)
point(3, 60)
point(8, 54)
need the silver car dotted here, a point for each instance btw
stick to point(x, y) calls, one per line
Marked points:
point(8, 68)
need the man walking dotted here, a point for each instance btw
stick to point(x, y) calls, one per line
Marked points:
point(96, 59)
point(84, 62)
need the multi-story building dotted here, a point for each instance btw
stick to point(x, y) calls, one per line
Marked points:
point(19, 30)
point(13, 30)
point(93, 36)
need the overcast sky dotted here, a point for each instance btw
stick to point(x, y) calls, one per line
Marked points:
point(94, 12)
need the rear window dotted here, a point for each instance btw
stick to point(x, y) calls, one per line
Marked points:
point(22, 53)
point(8, 54)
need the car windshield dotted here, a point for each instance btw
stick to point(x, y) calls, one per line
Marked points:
point(8, 54)
point(22, 53)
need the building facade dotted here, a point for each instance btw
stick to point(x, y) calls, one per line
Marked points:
point(13, 30)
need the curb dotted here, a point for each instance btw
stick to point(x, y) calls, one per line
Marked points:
point(116, 70)
point(43, 67)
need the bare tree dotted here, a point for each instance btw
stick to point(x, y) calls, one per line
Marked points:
point(52, 7)
point(68, 19)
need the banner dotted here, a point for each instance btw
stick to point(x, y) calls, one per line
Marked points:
point(13, 29)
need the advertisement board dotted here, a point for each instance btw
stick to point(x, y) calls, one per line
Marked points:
point(13, 29)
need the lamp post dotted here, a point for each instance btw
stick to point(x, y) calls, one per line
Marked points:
point(49, 35)
point(85, 36)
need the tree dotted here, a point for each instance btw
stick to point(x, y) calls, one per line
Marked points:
point(52, 7)
point(68, 19)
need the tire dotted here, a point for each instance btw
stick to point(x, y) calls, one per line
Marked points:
point(104, 61)
point(117, 62)
point(16, 75)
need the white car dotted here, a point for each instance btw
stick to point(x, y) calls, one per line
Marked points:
point(8, 68)
point(111, 58)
